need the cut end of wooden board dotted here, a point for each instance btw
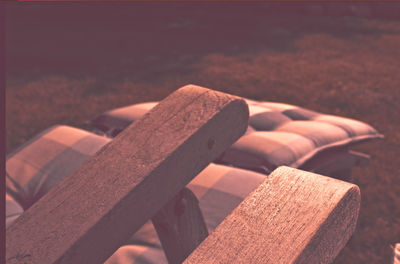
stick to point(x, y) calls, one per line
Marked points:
point(292, 217)
point(335, 227)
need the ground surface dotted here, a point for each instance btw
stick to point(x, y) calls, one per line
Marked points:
point(67, 65)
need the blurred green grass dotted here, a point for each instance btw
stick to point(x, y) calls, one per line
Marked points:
point(67, 67)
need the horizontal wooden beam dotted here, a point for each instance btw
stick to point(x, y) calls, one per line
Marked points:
point(86, 217)
point(292, 217)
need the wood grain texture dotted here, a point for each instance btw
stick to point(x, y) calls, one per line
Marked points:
point(180, 226)
point(292, 217)
point(86, 217)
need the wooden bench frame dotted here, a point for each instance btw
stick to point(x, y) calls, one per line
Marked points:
point(292, 217)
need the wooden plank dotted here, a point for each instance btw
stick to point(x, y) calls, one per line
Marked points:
point(180, 226)
point(292, 217)
point(92, 212)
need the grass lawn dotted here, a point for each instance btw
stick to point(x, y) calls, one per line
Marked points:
point(66, 65)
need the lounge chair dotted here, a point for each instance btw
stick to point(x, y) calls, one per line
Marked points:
point(291, 217)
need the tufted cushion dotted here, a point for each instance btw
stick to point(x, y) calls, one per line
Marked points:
point(48, 158)
point(396, 253)
point(13, 210)
point(278, 134)
point(42, 162)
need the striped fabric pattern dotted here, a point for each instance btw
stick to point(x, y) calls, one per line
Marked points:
point(278, 134)
point(52, 155)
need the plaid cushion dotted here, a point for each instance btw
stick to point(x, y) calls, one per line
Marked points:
point(278, 134)
point(48, 158)
point(13, 210)
point(38, 165)
point(396, 253)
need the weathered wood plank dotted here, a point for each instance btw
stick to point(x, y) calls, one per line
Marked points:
point(292, 217)
point(180, 226)
point(92, 212)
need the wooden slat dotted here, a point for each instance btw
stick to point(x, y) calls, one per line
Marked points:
point(292, 217)
point(180, 226)
point(92, 212)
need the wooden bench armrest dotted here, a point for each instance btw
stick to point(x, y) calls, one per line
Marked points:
point(86, 217)
point(292, 217)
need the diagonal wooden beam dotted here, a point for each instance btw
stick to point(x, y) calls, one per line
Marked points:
point(86, 217)
point(292, 217)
